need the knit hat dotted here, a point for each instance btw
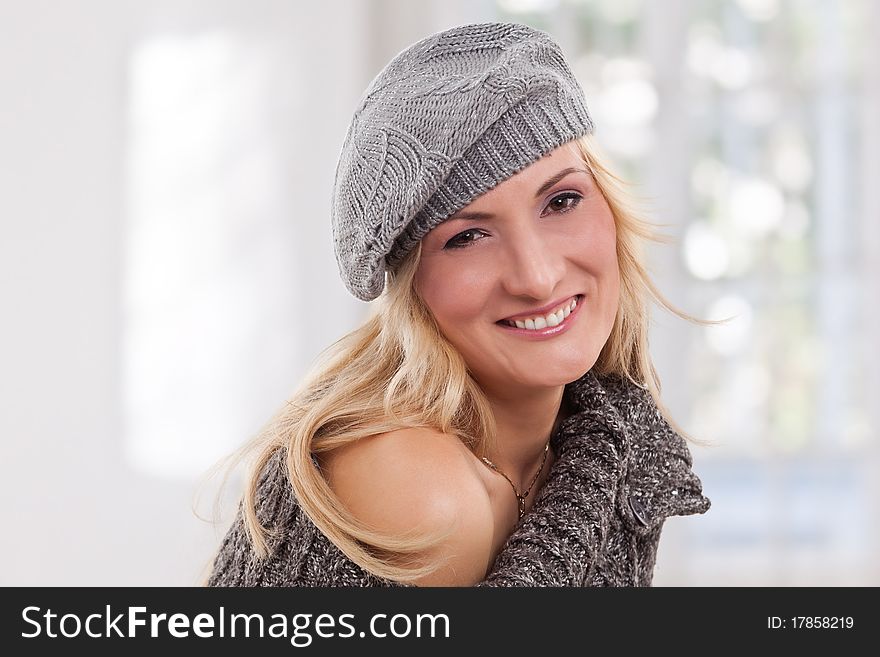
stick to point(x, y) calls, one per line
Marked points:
point(448, 119)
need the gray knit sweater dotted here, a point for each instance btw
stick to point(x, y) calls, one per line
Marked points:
point(620, 471)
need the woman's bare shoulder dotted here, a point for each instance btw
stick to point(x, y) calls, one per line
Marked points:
point(419, 479)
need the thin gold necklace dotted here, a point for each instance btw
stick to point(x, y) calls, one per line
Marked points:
point(521, 499)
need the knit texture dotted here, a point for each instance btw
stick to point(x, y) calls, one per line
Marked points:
point(620, 471)
point(446, 120)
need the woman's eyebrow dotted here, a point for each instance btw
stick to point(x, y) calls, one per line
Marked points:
point(552, 180)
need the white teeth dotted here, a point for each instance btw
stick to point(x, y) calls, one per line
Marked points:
point(551, 319)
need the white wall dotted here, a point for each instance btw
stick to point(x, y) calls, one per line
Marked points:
point(74, 510)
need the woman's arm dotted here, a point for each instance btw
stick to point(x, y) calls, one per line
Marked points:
point(425, 480)
point(561, 541)
point(421, 478)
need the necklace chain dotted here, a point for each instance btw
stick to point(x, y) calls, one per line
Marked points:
point(521, 498)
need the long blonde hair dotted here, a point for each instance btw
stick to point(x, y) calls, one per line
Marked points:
point(397, 370)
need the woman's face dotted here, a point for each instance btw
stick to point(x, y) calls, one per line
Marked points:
point(541, 242)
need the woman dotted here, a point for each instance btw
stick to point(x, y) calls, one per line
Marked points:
point(495, 421)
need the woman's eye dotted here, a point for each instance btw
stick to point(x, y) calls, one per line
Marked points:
point(464, 238)
point(564, 202)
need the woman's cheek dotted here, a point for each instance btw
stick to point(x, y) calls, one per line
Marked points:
point(456, 290)
point(597, 248)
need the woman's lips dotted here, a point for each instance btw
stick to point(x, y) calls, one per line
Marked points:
point(553, 322)
point(543, 310)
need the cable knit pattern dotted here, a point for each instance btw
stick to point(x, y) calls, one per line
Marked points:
point(446, 120)
point(620, 472)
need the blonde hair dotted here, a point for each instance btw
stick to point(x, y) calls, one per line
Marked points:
point(397, 370)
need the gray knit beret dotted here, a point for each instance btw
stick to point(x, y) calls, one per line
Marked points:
point(449, 118)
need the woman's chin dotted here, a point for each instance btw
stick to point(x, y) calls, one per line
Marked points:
point(529, 374)
point(552, 377)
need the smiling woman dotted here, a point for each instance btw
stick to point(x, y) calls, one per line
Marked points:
point(540, 253)
point(496, 421)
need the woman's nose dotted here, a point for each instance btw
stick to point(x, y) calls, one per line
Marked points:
point(535, 268)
